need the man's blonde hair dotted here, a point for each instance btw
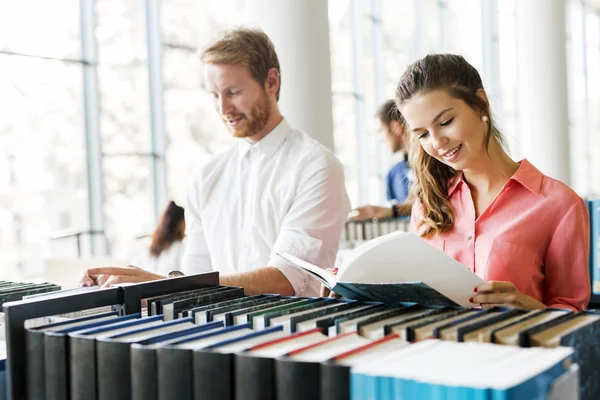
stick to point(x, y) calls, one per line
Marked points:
point(249, 47)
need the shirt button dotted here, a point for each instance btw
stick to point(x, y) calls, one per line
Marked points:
point(470, 238)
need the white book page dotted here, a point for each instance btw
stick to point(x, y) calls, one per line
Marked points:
point(405, 257)
point(246, 344)
point(325, 277)
point(399, 257)
point(155, 332)
point(325, 351)
point(203, 342)
point(286, 346)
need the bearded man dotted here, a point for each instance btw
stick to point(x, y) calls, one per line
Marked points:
point(276, 190)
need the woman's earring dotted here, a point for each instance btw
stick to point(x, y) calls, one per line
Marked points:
point(485, 118)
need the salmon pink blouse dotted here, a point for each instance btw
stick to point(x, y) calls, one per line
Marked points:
point(535, 234)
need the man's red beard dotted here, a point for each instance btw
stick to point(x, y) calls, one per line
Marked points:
point(259, 116)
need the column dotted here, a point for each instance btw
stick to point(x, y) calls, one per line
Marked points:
point(542, 86)
point(299, 30)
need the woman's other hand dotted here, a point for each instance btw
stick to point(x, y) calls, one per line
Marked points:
point(499, 293)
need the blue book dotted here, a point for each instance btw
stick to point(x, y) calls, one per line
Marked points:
point(3, 379)
point(594, 262)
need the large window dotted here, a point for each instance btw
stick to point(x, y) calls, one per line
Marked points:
point(42, 152)
point(69, 113)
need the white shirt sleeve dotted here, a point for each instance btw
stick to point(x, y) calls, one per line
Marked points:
point(312, 227)
point(196, 257)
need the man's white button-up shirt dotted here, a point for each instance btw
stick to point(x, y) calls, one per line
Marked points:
point(284, 193)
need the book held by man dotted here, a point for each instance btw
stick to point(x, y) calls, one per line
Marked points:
point(398, 267)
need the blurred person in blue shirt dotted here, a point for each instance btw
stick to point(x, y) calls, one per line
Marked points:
point(400, 177)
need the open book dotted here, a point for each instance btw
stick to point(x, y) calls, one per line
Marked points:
point(398, 267)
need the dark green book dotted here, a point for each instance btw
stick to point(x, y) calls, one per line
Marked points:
point(240, 315)
point(224, 313)
point(172, 310)
point(200, 314)
point(256, 316)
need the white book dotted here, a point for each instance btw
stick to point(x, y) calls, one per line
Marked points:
point(398, 267)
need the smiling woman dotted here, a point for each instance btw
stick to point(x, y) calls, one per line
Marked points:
point(525, 233)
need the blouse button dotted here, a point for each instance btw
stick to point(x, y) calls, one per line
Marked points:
point(470, 238)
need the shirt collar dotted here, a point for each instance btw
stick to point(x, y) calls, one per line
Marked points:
point(399, 156)
point(527, 175)
point(454, 183)
point(268, 144)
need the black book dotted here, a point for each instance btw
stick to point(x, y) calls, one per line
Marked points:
point(327, 321)
point(154, 304)
point(35, 351)
point(226, 313)
point(298, 375)
point(312, 320)
point(144, 377)
point(255, 368)
point(509, 334)
point(172, 310)
point(481, 331)
point(347, 323)
point(174, 362)
point(213, 366)
point(378, 322)
point(200, 313)
point(56, 355)
point(274, 317)
point(450, 331)
point(114, 358)
point(335, 372)
point(579, 331)
point(239, 316)
point(82, 354)
point(414, 330)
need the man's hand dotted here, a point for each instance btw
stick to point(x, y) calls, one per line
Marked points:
point(370, 212)
point(498, 293)
point(107, 276)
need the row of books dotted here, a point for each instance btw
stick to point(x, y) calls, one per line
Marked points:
point(358, 232)
point(217, 343)
point(594, 261)
point(434, 369)
point(11, 291)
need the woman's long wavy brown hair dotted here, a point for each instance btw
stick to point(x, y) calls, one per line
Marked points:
point(168, 229)
point(462, 81)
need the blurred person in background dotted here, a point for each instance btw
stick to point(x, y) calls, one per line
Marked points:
point(167, 247)
point(400, 176)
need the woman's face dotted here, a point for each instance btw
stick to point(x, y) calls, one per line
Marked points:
point(447, 128)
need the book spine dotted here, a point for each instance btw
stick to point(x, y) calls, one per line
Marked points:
point(174, 370)
point(335, 382)
point(55, 367)
point(254, 377)
point(36, 387)
point(296, 380)
point(144, 375)
point(594, 206)
point(213, 376)
point(82, 360)
point(114, 361)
